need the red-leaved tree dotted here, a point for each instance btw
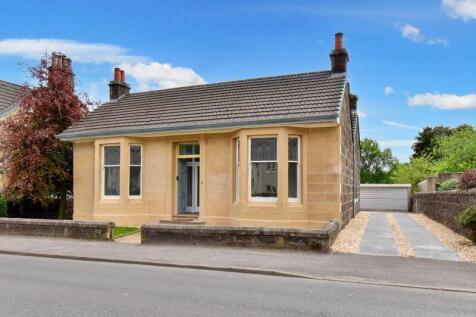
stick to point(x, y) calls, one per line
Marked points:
point(37, 165)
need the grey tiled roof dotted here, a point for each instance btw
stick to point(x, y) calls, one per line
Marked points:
point(9, 94)
point(309, 97)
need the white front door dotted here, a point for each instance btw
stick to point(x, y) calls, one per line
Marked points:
point(192, 186)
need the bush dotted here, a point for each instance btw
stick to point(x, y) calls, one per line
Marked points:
point(467, 218)
point(468, 179)
point(3, 206)
point(450, 184)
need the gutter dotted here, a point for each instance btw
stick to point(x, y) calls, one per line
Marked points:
point(74, 136)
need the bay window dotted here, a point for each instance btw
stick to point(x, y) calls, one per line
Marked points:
point(111, 170)
point(263, 168)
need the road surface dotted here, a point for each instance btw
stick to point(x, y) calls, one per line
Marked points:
point(31, 286)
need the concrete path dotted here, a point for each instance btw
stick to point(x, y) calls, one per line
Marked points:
point(351, 268)
point(134, 238)
point(423, 242)
point(378, 237)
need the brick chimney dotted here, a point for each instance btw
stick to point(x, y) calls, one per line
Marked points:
point(61, 61)
point(118, 87)
point(353, 102)
point(339, 55)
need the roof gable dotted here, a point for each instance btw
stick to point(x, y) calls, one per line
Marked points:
point(9, 94)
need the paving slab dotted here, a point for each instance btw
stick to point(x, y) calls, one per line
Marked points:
point(423, 242)
point(378, 237)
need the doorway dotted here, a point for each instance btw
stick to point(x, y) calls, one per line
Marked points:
point(188, 179)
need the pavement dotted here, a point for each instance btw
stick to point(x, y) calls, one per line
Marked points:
point(378, 238)
point(32, 286)
point(457, 276)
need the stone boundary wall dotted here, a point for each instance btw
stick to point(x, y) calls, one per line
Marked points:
point(277, 238)
point(87, 230)
point(444, 207)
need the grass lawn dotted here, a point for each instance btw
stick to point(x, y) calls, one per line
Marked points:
point(119, 231)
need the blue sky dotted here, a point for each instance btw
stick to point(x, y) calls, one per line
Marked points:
point(412, 63)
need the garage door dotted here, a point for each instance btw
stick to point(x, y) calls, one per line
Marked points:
point(394, 197)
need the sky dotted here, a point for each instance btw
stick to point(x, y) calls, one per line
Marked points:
point(412, 63)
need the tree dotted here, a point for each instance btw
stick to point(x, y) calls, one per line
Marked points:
point(37, 165)
point(375, 165)
point(414, 171)
point(457, 152)
point(427, 140)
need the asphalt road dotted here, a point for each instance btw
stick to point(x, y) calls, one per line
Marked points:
point(49, 287)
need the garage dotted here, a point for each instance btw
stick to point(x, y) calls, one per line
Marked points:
point(385, 197)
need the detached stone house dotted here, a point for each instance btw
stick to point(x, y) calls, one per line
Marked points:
point(278, 151)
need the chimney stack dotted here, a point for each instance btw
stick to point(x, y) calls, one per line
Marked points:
point(339, 56)
point(62, 62)
point(118, 87)
point(353, 102)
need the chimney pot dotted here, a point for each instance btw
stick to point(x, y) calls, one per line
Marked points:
point(338, 41)
point(117, 74)
point(123, 76)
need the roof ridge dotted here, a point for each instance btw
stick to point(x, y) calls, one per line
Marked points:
point(10, 83)
point(232, 82)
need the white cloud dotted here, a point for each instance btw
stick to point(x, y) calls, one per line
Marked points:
point(388, 90)
point(399, 125)
point(155, 75)
point(148, 74)
point(396, 143)
point(411, 32)
point(414, 34)
point(443, 101)
point(362, 114)
point(460, 9)
point(78, 51)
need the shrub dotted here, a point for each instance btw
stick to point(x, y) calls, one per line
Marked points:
point(467, 218)
point(3, 206)
point(468, 179)
point(450, 184)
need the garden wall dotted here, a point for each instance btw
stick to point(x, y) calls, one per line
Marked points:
point(88, 230)
point(444, 207)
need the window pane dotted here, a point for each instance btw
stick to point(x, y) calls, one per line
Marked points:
point(263, 149)
point(292, 180)
point(293, 149)
point(111, 181)
point(134, 180)
point(186, 149)
point(196, 149)
point(237, 150)
point(112, 155)
point(135, 154)
point(264, 180)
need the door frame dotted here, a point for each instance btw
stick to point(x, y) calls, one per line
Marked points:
point(178, 156)
point(195, 208)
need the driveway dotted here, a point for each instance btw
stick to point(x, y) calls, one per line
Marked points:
point(397, 233)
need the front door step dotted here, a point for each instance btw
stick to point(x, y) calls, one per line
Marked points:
point(183, 219)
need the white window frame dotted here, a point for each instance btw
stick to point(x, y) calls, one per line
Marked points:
point(140, 174)
point(262, 199)
point(103, 176)
point(237, 169)
point(298, 187)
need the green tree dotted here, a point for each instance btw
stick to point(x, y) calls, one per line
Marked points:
point(376, 166)
point(457, 152)
point(427, 140)
point(414, 171)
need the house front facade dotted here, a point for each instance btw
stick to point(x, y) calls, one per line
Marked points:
point(268, 152)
